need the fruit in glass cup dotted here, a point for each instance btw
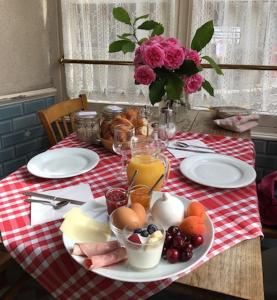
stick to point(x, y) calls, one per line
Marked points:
point(140, 194)
point(115, 197)
point(144, 245)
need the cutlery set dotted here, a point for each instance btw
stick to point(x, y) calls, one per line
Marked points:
point(184, 147)
point(55, 202)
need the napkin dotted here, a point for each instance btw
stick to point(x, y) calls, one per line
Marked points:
point(41, 213)
point(184, 153)
point(238, 123)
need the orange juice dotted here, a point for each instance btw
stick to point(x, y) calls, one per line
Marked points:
point(149, 170)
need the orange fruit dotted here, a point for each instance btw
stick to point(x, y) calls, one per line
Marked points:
point(196, 209)
point(192, 225)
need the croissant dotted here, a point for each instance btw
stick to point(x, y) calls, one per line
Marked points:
point(132, 114)
point(131, 119)
point(118, 120)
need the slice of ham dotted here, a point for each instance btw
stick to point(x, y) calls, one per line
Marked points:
point(91, 249)
point(98, 261)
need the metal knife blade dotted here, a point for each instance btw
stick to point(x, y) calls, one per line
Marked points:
point(53, 198)
point(190, 150)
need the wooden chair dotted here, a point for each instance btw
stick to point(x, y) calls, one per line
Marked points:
point(58, 119)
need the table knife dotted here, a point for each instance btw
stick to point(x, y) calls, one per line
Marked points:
point(53, 198)
point(190, 150)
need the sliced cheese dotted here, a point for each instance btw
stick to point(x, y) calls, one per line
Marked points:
point(80, 228)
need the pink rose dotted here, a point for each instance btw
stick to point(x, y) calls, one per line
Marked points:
point(144, 75)
point(193, 83)
point(153, 40)
point(138, 58)
point(170, 42)
point(153, 56)
point(192, 55)
point(174, 57)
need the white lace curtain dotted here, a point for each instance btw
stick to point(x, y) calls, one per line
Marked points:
point(245, 33)
point(88, 29)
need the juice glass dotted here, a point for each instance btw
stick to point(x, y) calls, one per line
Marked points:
point(148, 161)
point(140, 194)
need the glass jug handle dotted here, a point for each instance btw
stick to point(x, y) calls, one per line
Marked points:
point(166, 163)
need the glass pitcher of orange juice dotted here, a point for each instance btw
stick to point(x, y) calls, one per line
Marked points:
point(148, 161)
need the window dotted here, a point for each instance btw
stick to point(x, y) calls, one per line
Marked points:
point(88, 29)
point(245, 33)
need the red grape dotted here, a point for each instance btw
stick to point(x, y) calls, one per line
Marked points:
point(178, 242)
point(168, 239)
point(197, 240)
point(172, 255)
point(186, 255)
point(174, 230)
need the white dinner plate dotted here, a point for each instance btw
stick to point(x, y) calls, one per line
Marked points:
point(124, 272)
point(63, 162)
point(216, 170)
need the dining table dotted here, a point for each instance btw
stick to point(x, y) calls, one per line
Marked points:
point(232, 269)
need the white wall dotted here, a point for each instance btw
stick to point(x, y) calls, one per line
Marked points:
point(29, 46)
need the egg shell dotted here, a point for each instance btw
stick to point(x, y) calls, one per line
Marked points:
point(140, 211)
point(124, 216)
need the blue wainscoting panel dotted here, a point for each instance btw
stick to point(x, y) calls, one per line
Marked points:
point(21, 133)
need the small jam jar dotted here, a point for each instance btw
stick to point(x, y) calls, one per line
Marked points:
point(115, 197)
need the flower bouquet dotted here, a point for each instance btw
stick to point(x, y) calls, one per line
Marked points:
point(169, 68)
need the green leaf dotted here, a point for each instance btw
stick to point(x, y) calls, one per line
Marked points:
point(121, 15)
point(174, 87)
point(202, 36)
point(188, 68)
point(116, 46)
point(141, 17)
point(207, 86)
point(142, 40)
point(156, 91)
point(129, 46)
point(148, 25)
point(214, 65)
point(124, 36)
point(163, 72)
point(158, 29)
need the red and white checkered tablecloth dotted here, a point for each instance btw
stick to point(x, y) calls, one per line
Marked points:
point(40, 250)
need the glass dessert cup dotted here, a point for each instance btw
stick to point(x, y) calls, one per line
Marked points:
point(115, 197)
point(140, 194)
point(147, 254)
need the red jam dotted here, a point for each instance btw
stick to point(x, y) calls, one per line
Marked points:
point(115, 197)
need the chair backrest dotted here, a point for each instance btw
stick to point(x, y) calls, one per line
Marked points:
point(58, 119)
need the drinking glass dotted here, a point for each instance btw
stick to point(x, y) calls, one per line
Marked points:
point(121, 145)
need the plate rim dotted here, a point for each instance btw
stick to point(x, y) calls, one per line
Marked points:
point(228, 157)
point(100, 270)
point(88, 151)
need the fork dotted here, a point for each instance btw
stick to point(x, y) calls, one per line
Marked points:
point(56, 205)
point(185, 145)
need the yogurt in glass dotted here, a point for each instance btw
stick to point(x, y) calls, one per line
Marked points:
point(144, 252)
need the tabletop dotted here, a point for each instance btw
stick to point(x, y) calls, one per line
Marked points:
point(236, 271)
point(244, 278)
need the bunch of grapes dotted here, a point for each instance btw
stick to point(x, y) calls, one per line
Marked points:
point(178, 246)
